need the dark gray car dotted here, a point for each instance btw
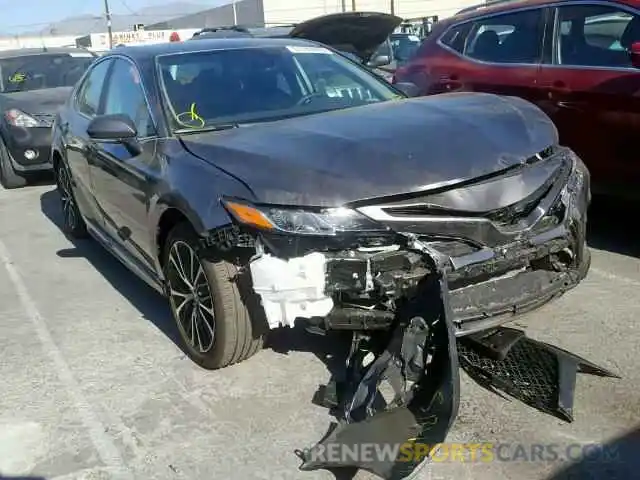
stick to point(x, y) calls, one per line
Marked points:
point(259, 183)
point(34, 83)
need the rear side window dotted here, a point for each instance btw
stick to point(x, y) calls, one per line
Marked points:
point(510, 38)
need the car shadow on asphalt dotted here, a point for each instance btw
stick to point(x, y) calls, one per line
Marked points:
point(146, 300)
point(610, 226)
point(617, 459)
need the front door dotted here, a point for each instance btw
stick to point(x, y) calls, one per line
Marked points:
point(122, 177)
point(83, 107)
point(593, 92)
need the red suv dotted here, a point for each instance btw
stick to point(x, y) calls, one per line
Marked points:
point(578, 60)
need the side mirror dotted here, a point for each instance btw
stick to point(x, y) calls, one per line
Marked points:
point(115, 128)
point(379, 61)
point(634, 53)
point(408, 88)
point(112, 128)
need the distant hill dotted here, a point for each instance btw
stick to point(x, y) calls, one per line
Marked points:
point(85, 24)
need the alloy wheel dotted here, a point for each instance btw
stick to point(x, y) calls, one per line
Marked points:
point(69, 209)
point(190, 297)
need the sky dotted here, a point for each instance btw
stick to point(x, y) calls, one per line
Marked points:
point(29, 15)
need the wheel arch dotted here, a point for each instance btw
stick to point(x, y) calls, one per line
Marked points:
point(168, 219)
point(169, 213)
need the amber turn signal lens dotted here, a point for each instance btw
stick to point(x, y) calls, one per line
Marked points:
point(249, 216)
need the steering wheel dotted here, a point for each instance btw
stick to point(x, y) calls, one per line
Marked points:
point(306, 99)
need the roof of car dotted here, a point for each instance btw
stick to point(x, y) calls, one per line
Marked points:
point(21, 52)
point(506, 5)
point(145, 52)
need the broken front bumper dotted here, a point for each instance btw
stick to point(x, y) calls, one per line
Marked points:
point(495, 267)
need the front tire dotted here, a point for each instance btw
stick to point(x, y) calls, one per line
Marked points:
point(8, 176)
point(206, 298)
point(72, 222)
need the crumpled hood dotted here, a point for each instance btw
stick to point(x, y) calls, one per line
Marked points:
point(383, 149)
point(46, 100)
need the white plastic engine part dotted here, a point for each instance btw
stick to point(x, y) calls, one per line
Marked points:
point(291, 289)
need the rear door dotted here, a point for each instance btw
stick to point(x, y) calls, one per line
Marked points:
point(592, 92)
point(496, 54)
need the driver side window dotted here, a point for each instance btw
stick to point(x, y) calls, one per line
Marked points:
point(125, 95)
point(90, 92)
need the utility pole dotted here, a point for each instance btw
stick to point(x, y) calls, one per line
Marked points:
point(353, 5)
point(393, 7)
point(235, 13)
point(107, 14)
point(344, 5)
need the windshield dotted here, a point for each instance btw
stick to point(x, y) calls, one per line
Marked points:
point(35, 72)
point(404, 46)
point(233, 86)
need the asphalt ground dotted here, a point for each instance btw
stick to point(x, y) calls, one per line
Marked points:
point(93, 386)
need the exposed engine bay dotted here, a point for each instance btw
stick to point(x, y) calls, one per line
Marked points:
point(428, 295)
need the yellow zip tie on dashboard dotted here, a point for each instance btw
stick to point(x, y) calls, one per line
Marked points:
point(191, 116)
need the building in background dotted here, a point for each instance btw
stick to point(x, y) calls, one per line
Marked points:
point(242, 12)
point(99, 42)
point(10, 43)
point(279, 12)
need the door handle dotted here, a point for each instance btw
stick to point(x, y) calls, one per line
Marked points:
point(450, 82)
point(558, 87)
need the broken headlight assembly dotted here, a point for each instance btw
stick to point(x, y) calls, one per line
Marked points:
point(299, 221)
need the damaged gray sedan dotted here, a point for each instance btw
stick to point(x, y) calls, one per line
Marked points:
point(261, 183)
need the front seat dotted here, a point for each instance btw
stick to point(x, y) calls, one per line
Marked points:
point(631, 34)
point(486, 46)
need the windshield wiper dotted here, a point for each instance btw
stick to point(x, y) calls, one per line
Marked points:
point(209, 128)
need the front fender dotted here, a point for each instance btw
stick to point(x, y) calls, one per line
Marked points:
point(192, 187)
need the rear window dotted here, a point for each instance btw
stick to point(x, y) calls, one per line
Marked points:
point(35, 72)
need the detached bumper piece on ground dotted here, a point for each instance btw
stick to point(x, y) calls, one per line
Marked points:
point(421, 365)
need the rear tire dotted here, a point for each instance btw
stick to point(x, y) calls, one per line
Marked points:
point(72, 222)
point(221, 332)
point(8, 176)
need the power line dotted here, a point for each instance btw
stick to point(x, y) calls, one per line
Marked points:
point(126, 6)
